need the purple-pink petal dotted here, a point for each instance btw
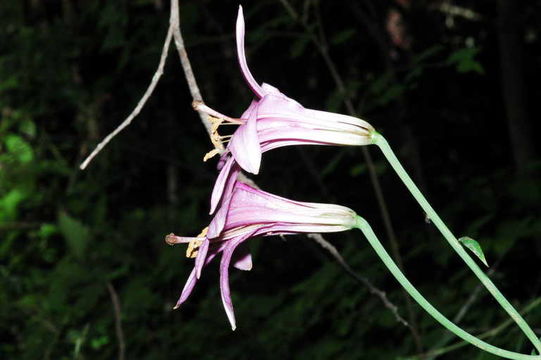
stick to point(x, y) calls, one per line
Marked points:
point(218, 222)
point(242, 57)
point(224, 276)
point(201, 256)
point(192, 279)
point(243, 258)
point(245, 145)
point(224, 177)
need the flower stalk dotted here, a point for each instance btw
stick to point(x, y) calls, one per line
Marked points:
point(381, 142)
point(363, 225)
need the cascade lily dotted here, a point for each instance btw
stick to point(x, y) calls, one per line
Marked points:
point(246, 212)
point(274, 120)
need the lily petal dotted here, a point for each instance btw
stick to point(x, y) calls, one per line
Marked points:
point(218, 222)
point(242, 57)
point(221, 183)
point(243, 258)
point(201, 256)
point(224, 275)
point(192, 279)
point(245, 145)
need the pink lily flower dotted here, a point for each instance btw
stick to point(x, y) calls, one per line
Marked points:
point(247, 212)
point(274, 120)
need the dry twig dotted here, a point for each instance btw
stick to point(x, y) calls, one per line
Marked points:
point(361, 279)
point(118, 321)
point(140, 104)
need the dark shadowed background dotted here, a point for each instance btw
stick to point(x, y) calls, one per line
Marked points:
point(452, 84)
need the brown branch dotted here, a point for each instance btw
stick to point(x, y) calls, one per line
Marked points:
point(172, 32)
point(361, 279)
point(186, 65)
point(118, 321)
point(155, 78)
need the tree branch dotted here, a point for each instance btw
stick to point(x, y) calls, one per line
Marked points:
point(140, 104)
point(118, 321)
point(361, 279)
point(186, 65)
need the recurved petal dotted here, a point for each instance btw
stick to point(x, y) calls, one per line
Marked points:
point(245, 145)
point(224, 276)
point(258, 91)
point(243, 258)
point(223, 177)
point(218, 222)
point(192, 279)
point(187, 290)
point(201, 256)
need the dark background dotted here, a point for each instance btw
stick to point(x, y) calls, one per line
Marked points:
point(453, 85)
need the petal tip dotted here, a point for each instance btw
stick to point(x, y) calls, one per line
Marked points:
point(198, 272)
point(240, 32)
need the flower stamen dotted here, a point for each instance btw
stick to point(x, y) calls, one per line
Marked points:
point(193, 245)
point(216, 120)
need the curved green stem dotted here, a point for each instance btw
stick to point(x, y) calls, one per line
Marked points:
point(416, 295)
point(380, 141)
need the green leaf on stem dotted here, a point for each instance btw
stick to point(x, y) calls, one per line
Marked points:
point(474, 247)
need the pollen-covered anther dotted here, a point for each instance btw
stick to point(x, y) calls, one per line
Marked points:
point(215, 124)
point(193, 248)
point(193, 245)
point(211, 154)
point(215, 138)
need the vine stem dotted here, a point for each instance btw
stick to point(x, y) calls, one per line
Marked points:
point(363, 225)
point(382, 143)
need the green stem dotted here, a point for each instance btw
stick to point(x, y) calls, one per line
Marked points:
point(380, 141)
point(492, 332)
point(363, 225)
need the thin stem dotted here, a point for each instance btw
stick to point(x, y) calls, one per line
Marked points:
point(118, 321)
point(148, 92)
point(361, 279)
point(380, 141)
point(363, 225)
point(492, 332)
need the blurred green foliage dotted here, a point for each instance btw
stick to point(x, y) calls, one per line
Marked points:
point(70, 71)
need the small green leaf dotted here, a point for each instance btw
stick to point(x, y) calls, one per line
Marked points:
point(18, 147)
point(28, 128)
point(47, 230)
point(10, 202)
point(474, 247)
point(99, 342)
point(465, 61)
